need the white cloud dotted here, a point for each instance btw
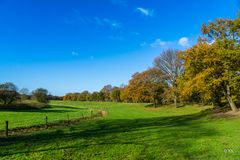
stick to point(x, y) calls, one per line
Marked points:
point(158, 43)
point(178, 44)
point(75, 53)
point(107, 22)
point(145, 11)
point(111, 23)
point(184, 42)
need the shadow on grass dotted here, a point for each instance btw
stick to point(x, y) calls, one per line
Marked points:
point(69, 107)
point(171, 133)
point(43, 109)
point(152, 105)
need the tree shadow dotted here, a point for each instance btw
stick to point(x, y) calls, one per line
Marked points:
point(47, 109)
point(173, 134)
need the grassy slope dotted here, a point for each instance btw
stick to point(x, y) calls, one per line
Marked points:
point(132, 132)
point(28, 117)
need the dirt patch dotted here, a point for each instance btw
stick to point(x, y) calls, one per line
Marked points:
point(229, 114)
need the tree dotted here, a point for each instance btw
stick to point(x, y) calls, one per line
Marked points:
point(106, 90)
point(101, 96)
point(170, 66)
point(115, 94)
point(8, 86)
point(41, 95)
point(24, 92)
point(147, 86)
point(225, 34)
point(125, 94)
point(94, 96)
point(8, 93)
point(212, 71)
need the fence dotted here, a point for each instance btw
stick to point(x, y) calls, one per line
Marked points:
point(47, 124)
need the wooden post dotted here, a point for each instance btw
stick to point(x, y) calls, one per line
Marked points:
point(46, 124)
point(91, 114)
point(6, 130)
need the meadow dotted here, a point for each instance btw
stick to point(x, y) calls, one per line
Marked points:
point(129, 131)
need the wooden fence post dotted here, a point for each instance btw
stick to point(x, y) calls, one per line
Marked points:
point(6, 130)
point(46, 124)
point(91, 114)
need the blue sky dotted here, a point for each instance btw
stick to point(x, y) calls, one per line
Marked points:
point(75, 45)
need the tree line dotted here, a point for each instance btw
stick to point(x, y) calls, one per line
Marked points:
point(208, 72)
point(9, 93)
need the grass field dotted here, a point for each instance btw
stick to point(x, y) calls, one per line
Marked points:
point(29, 117)
point(130, 131)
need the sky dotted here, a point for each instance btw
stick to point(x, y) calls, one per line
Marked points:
point(75, 45)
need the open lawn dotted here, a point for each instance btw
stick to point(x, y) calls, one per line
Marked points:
point(130, 131)
point(35, 116)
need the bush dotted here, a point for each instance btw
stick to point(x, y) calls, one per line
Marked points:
point(41, 95)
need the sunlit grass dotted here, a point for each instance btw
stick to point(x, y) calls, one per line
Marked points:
point(132, 131)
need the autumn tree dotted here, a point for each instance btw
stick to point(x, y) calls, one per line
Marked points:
point(213, 69)
point(125, 94)
point(170, 66)
point(145, 87)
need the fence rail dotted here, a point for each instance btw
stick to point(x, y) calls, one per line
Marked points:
point(48, 124)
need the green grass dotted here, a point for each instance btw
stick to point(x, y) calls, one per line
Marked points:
point(24, 117)
point(130, 131)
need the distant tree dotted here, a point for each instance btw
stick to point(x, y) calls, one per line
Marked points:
point(83, 96)
point(170, 66)
point(106, 90)
point(25, 94)
point(101, 96)
point(54, 97)
point(8, 93)
point(8, 86)
point(125, 95)
point(41, 95)
point(115, 94)
point(94, 96)
point(147, 86)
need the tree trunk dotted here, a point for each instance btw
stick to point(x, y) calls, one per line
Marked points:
point(230, 100)
point(232, 104)
point(175, 100)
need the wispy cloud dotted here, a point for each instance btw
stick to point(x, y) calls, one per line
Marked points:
point(158, 43)
point(145, 11)
point(111, 23)
point(74, 53)
point(184, 42)
point(76, 18)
